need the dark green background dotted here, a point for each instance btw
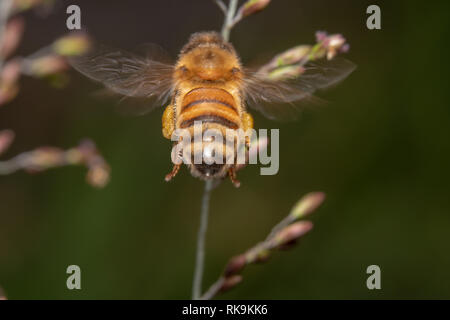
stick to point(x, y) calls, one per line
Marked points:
point(379, 150)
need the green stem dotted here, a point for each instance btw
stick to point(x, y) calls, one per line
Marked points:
point(229, 19)
point(201, 239)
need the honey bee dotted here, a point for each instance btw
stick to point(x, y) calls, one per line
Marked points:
point(209, 84)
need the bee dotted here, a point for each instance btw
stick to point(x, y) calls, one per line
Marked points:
point(206, 85)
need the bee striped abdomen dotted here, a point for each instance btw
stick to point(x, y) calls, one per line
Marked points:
point(209, 105)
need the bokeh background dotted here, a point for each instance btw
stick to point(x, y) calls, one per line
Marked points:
point(379, 150)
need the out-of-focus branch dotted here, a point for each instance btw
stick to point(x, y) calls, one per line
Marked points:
point(283, 236)
point(290, 63)
point(44, 158)
point(49, 61)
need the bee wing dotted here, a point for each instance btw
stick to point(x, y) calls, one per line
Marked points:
point(283, 99)
point(128, 74)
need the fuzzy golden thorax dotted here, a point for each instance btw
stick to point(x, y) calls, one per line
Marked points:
point(206, 58)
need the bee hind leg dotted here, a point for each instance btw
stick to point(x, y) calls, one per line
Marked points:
point(233, 177)
point(173, 173)
point(168, 122)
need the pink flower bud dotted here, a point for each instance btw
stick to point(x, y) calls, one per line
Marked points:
point(230, 282)
point(46, 65)
point(8, 81)
point(235, 265)
point(307, 204)
point(253, 6)
point(11, 36)
point(6, 138)
point(72, 45)
point(98, 176)
point(287, 72)
point(292, 232)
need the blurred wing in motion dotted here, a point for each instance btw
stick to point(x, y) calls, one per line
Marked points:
point(140, 76)
point(281, 99)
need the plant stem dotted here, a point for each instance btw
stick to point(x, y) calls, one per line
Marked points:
point(221, 5)
point(229, 19)
point(201, 237)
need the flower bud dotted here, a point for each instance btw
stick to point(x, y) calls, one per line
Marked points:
point(6, 138)
point(291, 233)
point(257, 255)
point(253, 6)
point(72, 45)
point(235, 265)
point(98, 176)
point(11, 37)
point(46, 65)
point(230, 282)
point(333, 44)
point(307, 205)
point(8, 80)
point(294, 55)
point(22, 5)
point(287, 72)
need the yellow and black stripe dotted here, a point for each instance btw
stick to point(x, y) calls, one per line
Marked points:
point(209, 105)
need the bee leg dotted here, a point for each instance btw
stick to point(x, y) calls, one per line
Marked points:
point(173, 173)
point(247, 124)
point(168, 122)
point(233, 178)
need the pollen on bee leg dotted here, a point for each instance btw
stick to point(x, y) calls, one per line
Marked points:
point(173, 173)
point(168, 125)
point(233, 177)
point(247, 124)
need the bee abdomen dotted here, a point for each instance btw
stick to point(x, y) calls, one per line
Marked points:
point(209, 105)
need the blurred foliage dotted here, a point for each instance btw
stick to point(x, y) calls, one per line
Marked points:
point(379, 151)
